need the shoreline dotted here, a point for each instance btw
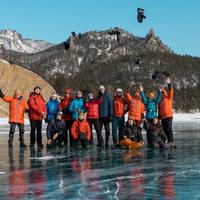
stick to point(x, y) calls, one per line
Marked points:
point(178, 117)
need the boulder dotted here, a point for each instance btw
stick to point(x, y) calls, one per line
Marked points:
point(13, 77)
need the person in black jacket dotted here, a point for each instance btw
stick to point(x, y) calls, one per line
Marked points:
point(56, 135)
point(105, 112)
point(132, 135)
point(157, 136)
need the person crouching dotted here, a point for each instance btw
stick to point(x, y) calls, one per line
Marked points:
point(80, 131)
point(157, 137)
point(56, 135)
point(131, 135)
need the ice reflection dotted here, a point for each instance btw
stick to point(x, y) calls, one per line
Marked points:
point(18, 186)
point(37, 175)
point(103, 173)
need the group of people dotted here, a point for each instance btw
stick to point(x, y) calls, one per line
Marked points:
point(70, 118)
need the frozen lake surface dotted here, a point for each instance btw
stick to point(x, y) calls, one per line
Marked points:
point(103, 173)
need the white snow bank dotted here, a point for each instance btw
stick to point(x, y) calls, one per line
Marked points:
point(4, 121)
point(184, 117)
point(177, 117)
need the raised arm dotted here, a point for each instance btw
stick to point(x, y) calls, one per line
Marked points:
point(159, 95)
point(143, 96)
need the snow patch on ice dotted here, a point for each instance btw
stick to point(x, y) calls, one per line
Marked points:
point(46, 157)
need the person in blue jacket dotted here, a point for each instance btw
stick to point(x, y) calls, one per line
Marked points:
point(77, 105)
point(105, 112)
point(52, 109)
point(151, 104)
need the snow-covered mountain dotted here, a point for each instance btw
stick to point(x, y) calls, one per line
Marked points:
point(114, 58)
point(11, 40)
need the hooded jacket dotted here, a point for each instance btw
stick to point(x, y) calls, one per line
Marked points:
point(17, 107)
point(76, 106)
point(155, 132)
point(80, 127)
point(58, 126)
point(135, 107)
point(132, 132)
point(151, 105)
point(37, 105)
point(118, 106)
point(92, 107)
point(106, 106)
point(165, 106)
point(52, 108)
point(64, 107)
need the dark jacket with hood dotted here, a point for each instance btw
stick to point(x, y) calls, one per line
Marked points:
point(58, 126)
point(132, 132)
point(106, 106)
point(155, 132)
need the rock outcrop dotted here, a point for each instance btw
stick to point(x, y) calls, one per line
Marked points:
point(153, 43)
point(13, 76)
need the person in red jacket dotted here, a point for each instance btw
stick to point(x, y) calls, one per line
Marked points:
point(17, 107)
point(165, 111)
point(37, 106)
point(81, 132)
point(118, 116)
point(92, 107)
point(67, 115)
point(135, 106)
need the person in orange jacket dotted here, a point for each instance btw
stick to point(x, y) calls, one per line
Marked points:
point(135, 106)
point(17, 107)
point(37, 106)
point(80, 131)
point(118, 116)
point(165, 111)
point(67, 115)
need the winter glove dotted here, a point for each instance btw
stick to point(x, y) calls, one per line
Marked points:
point(1, 94)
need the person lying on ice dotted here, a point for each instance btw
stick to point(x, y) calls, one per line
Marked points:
point(17, 107)
point(157, 137)
point(56, 135)
point(131, 135)
point(80, 131)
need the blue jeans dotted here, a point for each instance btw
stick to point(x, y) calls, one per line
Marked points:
point(117, 122)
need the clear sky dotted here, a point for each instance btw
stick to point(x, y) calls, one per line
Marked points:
point(176, 22)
